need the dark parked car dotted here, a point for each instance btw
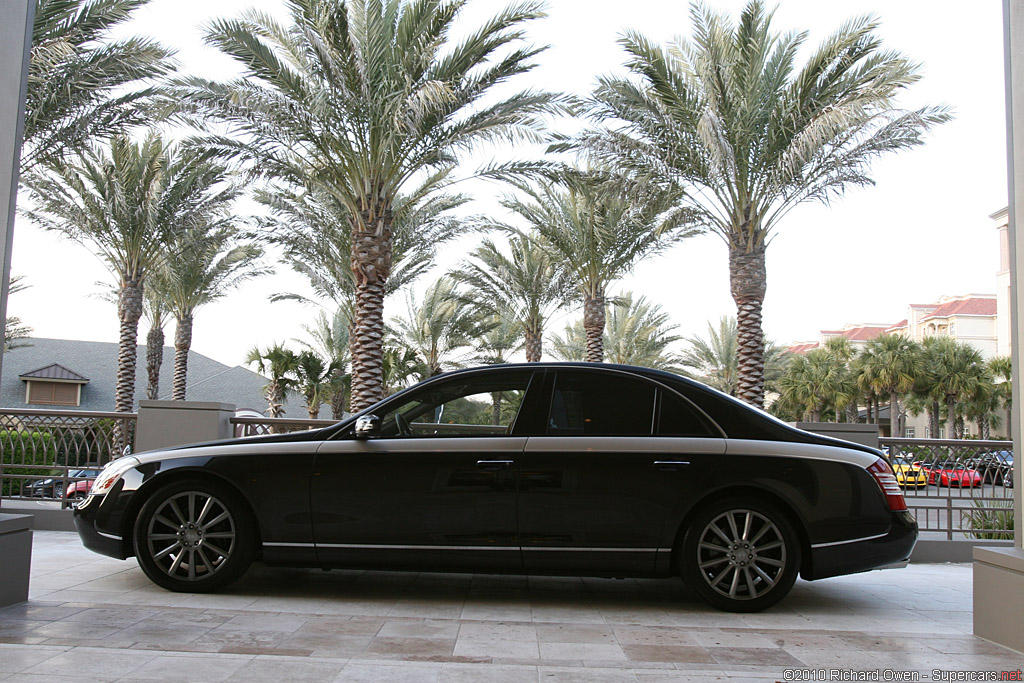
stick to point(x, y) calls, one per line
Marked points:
point(53, 487)
point(577, 469)
point(994, 466)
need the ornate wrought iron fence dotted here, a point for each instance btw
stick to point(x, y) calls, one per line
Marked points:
point(962, 488)
point(257, 426)
point(44, 453)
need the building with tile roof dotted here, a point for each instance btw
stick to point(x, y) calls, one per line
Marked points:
point(43, 375)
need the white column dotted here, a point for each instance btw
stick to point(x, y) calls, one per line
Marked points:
point(1013, 43)
point(15, 43)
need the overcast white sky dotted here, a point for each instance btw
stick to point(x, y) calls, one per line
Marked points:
point(920, 233)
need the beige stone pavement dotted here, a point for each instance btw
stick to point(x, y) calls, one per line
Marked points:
point(97, 619)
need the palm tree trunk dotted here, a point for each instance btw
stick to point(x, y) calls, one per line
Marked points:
point(371, 265)
point(129, 311)
point(593, 324)
point(496, 407)
point(894, 415)
point(748, 278)
point(533, 346)
point(182, 343)
point(275, 401)
point(950, 416)
point(154, 359)
point(934, 424)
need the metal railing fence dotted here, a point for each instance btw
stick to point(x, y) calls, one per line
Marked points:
point(43, 453)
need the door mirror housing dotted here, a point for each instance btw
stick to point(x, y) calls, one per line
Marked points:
point(367, 426)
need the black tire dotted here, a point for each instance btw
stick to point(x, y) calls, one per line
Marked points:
point(194, 536)
point(740, 555)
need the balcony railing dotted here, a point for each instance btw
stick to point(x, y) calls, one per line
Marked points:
point(43, 453)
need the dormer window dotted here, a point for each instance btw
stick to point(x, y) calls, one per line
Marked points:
point(53, 385)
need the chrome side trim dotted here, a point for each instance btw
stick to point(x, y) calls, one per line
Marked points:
point(852, 540)
point(106, 535)
point(806, 451)
point(368, 546)
point(674, 445)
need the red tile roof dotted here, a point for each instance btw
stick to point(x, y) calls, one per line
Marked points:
point(971, 306)
point(859, 332)
point(803, 347)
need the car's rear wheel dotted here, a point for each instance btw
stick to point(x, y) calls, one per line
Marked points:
point(740, 555)
point(194, 536)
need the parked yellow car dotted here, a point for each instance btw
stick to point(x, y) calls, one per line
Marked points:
point(909, 475)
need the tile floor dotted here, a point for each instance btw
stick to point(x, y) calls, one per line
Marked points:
point(97, 619)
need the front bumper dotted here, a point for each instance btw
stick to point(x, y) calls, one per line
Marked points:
point(892, 549)
point(102, 542)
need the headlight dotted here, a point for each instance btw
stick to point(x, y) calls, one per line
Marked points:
point(110, 474)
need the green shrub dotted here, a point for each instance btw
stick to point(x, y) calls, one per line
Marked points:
point(991, 523)
point(28, 453)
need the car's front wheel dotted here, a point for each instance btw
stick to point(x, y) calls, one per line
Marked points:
point(740, 555)
point(194, 536)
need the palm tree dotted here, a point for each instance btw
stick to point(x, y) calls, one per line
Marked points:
point(156, 313)
point(495, 346)
point(524, 288)
point(439, 329)
point(314, 230)
point(82, 84)
point(600, 230)
point(279, 365)
point(812, 380)
point(128, 202)
point(638, 333)
point(360, 99)
point(730, 117)
point(845, 390)
point(14, 329)
point(209, 262)
point(1002, 370)
point(889, 366)
point(314, 376)
point(959, 372)
point(713, 360)
point(330, 341)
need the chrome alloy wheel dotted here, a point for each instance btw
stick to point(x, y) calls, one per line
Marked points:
point(191, 536)
point(741, 554)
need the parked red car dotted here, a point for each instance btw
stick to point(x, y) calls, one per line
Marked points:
point(79, 489)
point(951, 474)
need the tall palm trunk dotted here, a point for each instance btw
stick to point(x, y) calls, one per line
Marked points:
point(593, 324)
point(182, 343)
point(371, 265)
point(950, 416)
point(894, 415)
point(533, 346)
point(129, 311)
point(154, 359)
point(748, 279)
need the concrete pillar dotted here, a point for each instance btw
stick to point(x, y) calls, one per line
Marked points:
point(999, 572)
point(15, 557)
point(175, 423)
point(15, 42)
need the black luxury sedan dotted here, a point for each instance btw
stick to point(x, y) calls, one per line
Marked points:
point(544, 468)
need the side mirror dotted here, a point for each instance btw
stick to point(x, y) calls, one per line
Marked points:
point(367, 426)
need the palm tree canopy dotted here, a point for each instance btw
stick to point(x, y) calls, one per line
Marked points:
point(314, 229)
point(82, 84)
point(440, 329)
point(130, 200)
point(638, 332)
point(208, 263)
point(597, 227)
point(361, 97)
point(731, 116)
point(890, 364)
point(525, 286)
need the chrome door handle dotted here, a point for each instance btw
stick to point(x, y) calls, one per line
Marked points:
point(493, 465)
point(670, 465)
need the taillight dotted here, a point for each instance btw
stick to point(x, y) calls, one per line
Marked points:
point(886, 480)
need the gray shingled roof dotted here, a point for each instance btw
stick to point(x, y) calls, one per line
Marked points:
point(208, 380)
point(55, 371)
